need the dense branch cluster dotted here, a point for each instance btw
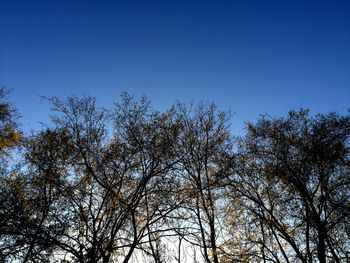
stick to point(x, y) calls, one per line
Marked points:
point(132, 184)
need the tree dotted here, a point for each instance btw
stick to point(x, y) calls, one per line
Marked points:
point(101, 186)
point(295, 174)
point(206, 159)
point(9, 137)
point(109, 188)
point(11, 184)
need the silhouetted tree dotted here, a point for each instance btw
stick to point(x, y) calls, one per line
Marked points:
point(206, 158)
point(294, 184)
point(12, 184)
point(98, 185)
point(110, 186)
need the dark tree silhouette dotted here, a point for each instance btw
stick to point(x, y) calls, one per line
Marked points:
point(295, 186)
point(131, 183)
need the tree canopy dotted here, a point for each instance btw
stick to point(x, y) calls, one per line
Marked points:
point(9, 136)
point(132, 184)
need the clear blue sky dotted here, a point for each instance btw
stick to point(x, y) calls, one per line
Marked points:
point(254, 57)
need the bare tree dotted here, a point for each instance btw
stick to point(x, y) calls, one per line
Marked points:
point(206, 159)
point(294, 182)
point(107, 184)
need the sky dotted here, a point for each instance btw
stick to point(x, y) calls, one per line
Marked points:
point(253, 57)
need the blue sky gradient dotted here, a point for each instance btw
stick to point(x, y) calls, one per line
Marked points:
point(254, 57)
